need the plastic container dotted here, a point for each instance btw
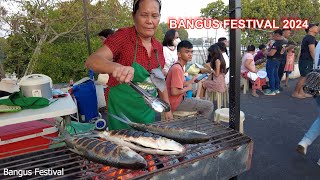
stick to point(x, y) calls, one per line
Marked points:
point(26, 137)
point(36, 85)
point(188, 93)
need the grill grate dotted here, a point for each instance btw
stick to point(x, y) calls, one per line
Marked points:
point(76, 167)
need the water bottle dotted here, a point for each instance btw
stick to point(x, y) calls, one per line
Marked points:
point(70, 86)
point(188, 93)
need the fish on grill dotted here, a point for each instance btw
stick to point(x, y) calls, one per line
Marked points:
point(178, 134)
point(104, 152)
point(143, 141)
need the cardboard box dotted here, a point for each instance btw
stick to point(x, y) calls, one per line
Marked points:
point(26, 137)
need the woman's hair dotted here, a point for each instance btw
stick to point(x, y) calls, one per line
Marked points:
point(136, 4)
point(261, 46)
point(169, 37)
point(251, 48)
point(105, 33)
point(222, 46)
point(214, 54)
point(222, 39)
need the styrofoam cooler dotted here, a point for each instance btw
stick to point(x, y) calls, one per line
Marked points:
point(26, 137)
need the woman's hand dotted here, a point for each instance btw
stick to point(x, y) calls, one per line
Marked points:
point(168, 115)
point(188, 87)
point(193, 78)
point(123, 74)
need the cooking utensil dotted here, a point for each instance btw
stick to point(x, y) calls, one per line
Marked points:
point(36, 85)
point(155, 103)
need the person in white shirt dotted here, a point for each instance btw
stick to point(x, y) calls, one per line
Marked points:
point(170, 43)
point(317, 57)
point(223, 49)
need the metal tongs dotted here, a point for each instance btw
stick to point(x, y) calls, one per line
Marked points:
point(155, 103)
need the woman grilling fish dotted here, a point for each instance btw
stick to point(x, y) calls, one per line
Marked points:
point(130, 55)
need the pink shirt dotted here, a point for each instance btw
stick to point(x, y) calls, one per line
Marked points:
point(290, 57)
point(175, 78)
point(244, 59)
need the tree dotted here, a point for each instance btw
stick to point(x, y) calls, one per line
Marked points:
point(2, 56)
point(216, 10)
point(35, 23)
point(41, 28)
point(271, 9)
point(183, 34)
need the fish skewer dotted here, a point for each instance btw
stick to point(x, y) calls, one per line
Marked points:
point(177, 134)
point(142, 141)
point(104, 152)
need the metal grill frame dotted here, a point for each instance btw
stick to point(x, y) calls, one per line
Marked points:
point(227, 150)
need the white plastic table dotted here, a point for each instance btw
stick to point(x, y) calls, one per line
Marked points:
point(62, 107)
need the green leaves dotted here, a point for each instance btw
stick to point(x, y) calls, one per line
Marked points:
point(51, 35)
point(215, 10)
point(267, 9)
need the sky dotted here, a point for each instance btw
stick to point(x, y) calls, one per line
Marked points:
point(189, 9)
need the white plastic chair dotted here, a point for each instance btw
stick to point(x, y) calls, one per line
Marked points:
point(223, 115)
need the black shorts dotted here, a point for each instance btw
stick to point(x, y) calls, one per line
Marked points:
point(305, 66)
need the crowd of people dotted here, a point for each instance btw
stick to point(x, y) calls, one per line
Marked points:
point(132, 54)
point(280, 60)
point(277, 55)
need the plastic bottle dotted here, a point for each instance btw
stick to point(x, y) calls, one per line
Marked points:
point(188, 93)
point(70, 86)
point(71, 83)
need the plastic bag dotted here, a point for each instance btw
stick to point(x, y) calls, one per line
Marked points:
point(193, 70)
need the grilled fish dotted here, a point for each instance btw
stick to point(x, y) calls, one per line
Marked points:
point(177, 134)
point(105, 152)
point(143, 141)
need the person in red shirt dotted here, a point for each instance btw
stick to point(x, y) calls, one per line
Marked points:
point(177, 86)
point(129, 55)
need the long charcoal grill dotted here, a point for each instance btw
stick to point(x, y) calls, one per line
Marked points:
point(227, 154)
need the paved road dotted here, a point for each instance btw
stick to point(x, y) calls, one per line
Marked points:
point(276, 124)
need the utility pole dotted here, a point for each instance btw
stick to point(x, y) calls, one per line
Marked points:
point(84, 4)
point(235, 63)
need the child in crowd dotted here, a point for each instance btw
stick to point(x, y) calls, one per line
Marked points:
point(289, 64)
